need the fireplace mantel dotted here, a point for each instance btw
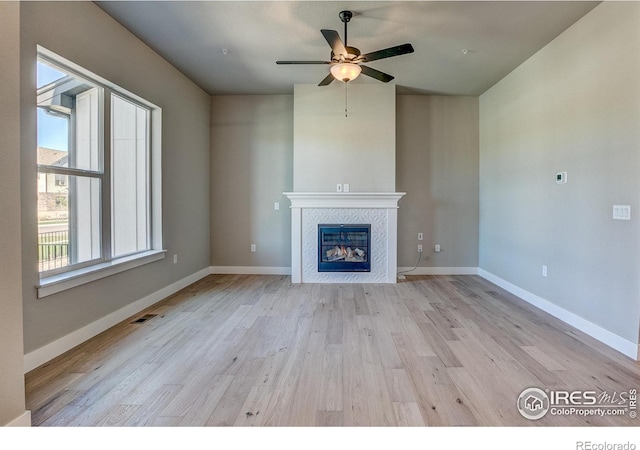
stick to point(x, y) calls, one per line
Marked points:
point(344, 199)
point(380, 209)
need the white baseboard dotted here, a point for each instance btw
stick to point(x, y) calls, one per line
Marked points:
point(269, 270)
point(249, 270)
point(628, 348)
point(23, 420)
point(438, 271)
point(48, 352)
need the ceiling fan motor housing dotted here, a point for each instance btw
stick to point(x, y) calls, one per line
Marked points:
point(352, 53)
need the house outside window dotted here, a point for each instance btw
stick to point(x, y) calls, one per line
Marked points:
point(98, 173)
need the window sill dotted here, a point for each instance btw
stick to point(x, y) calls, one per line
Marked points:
point(69, 280)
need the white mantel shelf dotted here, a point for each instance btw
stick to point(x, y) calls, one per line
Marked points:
point(308, 209)
point(344, 199)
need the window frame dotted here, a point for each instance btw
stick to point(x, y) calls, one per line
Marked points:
point(70, 276)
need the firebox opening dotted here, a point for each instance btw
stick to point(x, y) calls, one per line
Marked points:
point(344, 248)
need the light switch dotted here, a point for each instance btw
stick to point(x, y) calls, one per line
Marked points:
point(622, 212)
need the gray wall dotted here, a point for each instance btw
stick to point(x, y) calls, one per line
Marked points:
point(98, 43)
point(12, 402)
point(574, 106)
point(330, 149)
point(437, 166)
point(251, 166)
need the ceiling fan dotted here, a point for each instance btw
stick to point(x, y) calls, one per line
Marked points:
point(346, 62)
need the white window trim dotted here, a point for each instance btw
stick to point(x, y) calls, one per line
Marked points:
point(54, 283)
point(74, 278)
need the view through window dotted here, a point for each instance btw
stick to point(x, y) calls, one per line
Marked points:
point(94, 191)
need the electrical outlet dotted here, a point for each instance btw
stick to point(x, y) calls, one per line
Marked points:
point(175, 259)
point(437, 248)
point(420, 236)
point(561, 177)
point(544, 271)
point(346, 187)
point(419, 248)
point(276, 206)
point(253, 247)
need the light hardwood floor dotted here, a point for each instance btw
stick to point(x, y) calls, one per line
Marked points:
point(259, 351)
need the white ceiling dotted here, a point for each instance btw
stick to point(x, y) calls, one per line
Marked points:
point(499, 36)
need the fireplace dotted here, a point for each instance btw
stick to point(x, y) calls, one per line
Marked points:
point(377, 209)
point(344, 248)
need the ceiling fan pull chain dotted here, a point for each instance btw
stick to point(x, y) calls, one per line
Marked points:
point(345, 99)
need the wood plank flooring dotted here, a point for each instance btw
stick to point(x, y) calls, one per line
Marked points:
point(241, 350)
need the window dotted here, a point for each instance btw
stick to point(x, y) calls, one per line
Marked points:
point(98, 176)
point(130, 181)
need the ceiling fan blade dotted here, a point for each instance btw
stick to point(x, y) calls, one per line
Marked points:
point(327, 80)
point(373, 73)
point(387, 52)
point(333, 38)
point(303, 62)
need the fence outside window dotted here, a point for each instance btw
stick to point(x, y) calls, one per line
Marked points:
point(53, 250)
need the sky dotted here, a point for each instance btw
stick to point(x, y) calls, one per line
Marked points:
point(53, 131)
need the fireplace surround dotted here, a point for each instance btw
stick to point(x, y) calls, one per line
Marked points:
point(310, 209)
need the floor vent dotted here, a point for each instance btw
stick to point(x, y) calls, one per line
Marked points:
point(144, 318)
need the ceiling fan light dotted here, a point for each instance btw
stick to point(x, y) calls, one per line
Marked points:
point(345, 71)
